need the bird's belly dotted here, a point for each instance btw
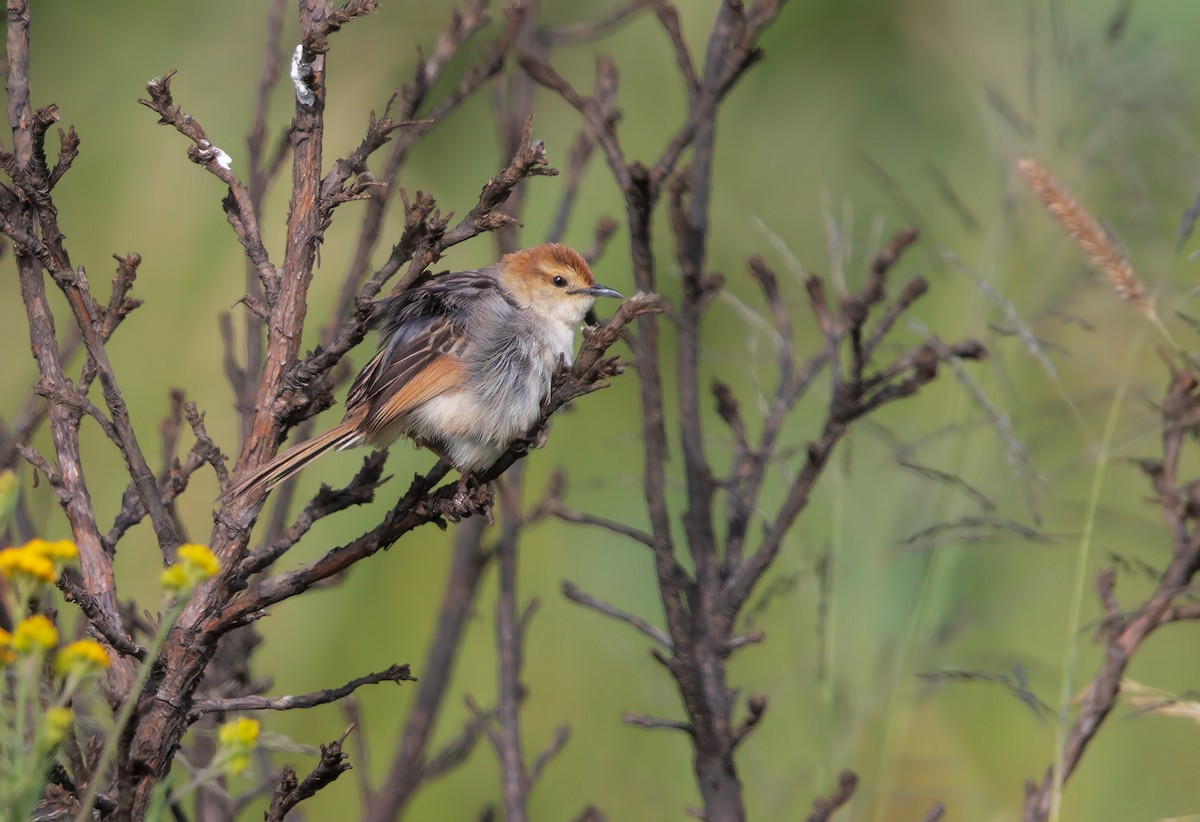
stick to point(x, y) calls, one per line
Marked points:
point(473, 428)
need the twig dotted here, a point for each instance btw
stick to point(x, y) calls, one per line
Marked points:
point(113, 633)
point(353, 714)
point(575, 33)
point(823, 808)
point(327, 501)
point(239, 207)
point(562, 734)
point(395, 673)
point(935, 813)
point(205, 446)
point(557, 509)
point(756, 707)
point(486, 721)
point(572, 592)
point(332, 764)
point(642, 721)
point(456, 751)
point(132, 512)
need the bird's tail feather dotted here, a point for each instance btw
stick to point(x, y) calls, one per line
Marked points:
point(271, 473)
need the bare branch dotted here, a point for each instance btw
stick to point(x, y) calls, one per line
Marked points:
point(643, 721)
point(557, 509)
point(669, 17)
point(935, 813)
point(756, 706)
point(394, 673)
point(239, 208)
point(575, 33)
point(327, 501)
point(289, 794)
point(456, 751)
point(823, 808)
point(113, 633)
point(205, 445)
point(572, 592)
point(562, 734)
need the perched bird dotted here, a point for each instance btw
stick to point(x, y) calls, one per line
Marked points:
point(464, 362)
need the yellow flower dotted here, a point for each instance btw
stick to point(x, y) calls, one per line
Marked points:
point(82, 657)
point(195, 563)
point(60, 550)
point(26, 562)
point(239, 733)
point(237, 739)
point(6, 653)
point(174, 578)
point(199, 559)
point(55, 725)
point(34, 634)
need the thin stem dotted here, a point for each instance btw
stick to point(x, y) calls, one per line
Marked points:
point(25, 758)
point(126, 710)
point(1081, 575)
point(829, 655)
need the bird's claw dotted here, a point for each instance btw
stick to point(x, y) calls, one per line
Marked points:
point(532, 440)
point(474, 496)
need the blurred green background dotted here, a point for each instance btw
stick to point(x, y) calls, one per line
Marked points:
point(866, 116)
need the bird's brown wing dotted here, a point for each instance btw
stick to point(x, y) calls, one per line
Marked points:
point(405, 373)
point(422, 334)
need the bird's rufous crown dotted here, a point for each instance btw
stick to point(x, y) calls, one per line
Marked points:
point(541, 258)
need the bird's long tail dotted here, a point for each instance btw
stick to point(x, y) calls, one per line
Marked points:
point(270, 474)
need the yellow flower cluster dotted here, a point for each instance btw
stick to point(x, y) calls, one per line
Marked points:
point(201, 558)
point(22, 562)
point(81, 657)
point(57, 723)
point(59, 550)
point(37, 559)
point(237, 739)
point(240, 732)
point(34, 634)
point(194, 564)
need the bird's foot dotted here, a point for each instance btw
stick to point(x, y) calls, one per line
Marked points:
point(474, 496)
point(535, 438)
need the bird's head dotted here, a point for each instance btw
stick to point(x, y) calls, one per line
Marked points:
point(552, 280)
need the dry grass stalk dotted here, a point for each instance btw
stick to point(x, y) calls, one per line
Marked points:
point(1088, 235)
point(1148, 700)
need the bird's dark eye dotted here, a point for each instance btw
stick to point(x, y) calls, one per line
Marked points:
point(560, 282)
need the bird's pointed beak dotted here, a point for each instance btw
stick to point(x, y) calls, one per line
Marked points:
point(598, 291)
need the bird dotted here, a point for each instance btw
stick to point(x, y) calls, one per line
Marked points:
point(464, 364)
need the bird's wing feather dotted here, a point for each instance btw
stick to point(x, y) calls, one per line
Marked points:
point(420, 346)
point(424, 381)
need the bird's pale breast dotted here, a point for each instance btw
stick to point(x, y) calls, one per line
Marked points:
point(510, 368)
